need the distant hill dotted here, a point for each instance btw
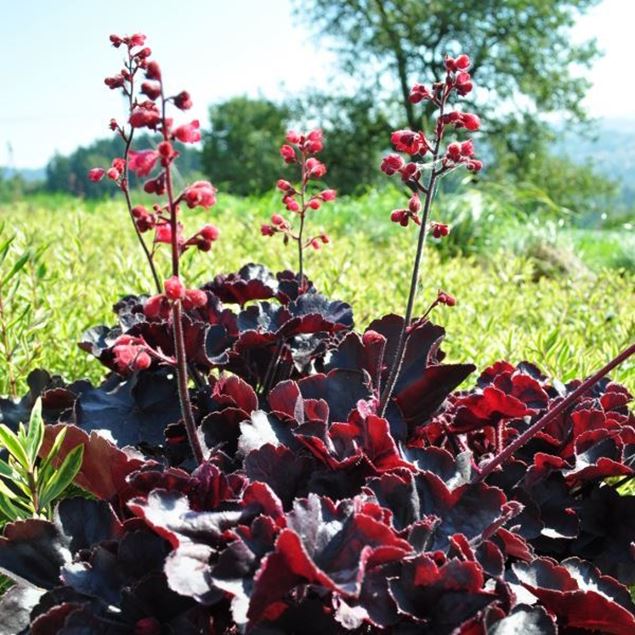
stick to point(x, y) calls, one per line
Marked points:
point(611, 149)
point(30, 175)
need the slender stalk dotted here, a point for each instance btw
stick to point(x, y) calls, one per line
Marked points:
point(526, 436)
point(179, 342)
point(182, 380)
point(126, 182)
point(423, 231)
point(302, 215)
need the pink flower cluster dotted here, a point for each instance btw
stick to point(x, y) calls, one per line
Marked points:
point(300, 149)
point(418, 146)
point(147, 107)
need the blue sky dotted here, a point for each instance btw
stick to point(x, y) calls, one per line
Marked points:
point(55, 53)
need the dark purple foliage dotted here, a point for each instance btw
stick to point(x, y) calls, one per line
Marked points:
point(313, 513)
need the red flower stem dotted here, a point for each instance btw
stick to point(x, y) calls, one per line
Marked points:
point(567, 402)
point(179, 342)
point(302, 214)
point(423, 231)
point(126, 182)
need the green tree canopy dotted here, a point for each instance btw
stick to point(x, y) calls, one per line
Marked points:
point(522, 52)
point(241, 152)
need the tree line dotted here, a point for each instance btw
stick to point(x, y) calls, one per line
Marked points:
point(523, 61)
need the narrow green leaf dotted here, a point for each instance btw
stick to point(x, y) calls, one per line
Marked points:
point(36, 431)
point(54, 451)
point(17, 266)
point(63, 476)
point(6, 470)
point(11, 442)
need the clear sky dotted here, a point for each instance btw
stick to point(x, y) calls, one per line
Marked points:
point(54, 55)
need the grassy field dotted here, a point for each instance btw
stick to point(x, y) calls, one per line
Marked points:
point(85, 256)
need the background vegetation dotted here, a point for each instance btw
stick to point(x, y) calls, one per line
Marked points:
point(568, 316)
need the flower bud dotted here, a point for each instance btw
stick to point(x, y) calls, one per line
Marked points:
point(328, 195)
point(391, 163)
point(267, 230)
point(474, 165)
point(155, 307)
point(151, 89)
point(409, 142)
point(463, 83)
point(467, 148)
point(138, 39)
point(314, 141)
point(174, 288)
point(113, 174)
point(288, 154)
point(293, 137)
point(96, 174)
point(194, 299)
point(210, 232)
point(182, 101)
point(315, 169)
point(462, 62)
point(410, 172)
point(116, 81)
point(450, 64)
point(200, 194)
point(153, 71)
point(414, 204)
point(418, 93)
point(188, 133)
point(445, 298)
point(470, 121)
point(278, 220)
point(453, 151)
point(283, 185)
point(400, 216)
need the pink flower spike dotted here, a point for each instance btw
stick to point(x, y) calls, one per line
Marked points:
point(188, 133)
point(96, 174)
point(142, 162)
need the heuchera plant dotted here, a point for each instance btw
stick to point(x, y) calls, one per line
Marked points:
point(256, 465)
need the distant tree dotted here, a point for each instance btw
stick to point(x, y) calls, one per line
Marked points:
point(241, 152)
point(69, 173)
point(522, 52)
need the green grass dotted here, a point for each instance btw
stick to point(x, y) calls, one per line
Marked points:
point(568, 326)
